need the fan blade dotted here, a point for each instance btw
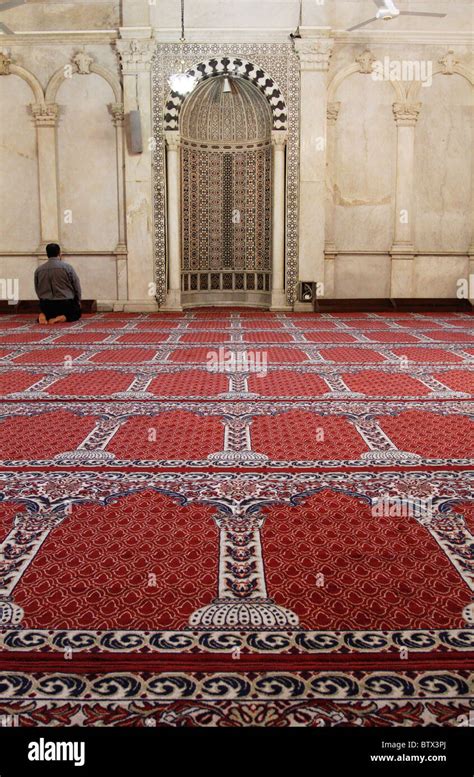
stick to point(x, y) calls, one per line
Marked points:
point(386, 5)
point(362, 24)
point(11, 4)
point(422, 13)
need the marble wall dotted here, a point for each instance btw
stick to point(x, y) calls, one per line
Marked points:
point(369, 163)
point(364, 165)
point(86, 154)
point(20, 213)
point(387, 198)
point(443, 144)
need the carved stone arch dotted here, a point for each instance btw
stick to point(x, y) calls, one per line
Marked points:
point(465, 73)
point(414, 90)
point(363, 65)
point(337, 80)
point(236, 66)
point(7, 67)
point(84, 65)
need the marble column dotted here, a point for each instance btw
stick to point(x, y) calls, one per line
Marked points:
point(135, 55)
point(173, 168)
point(279, 301)
point(330, 241)
point(45, 116)
point(314, 49)
point(403, 250)
point(118, 116)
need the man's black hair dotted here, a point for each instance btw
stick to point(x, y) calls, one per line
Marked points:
point(52, 250)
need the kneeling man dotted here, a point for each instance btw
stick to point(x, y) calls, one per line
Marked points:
point(58, 289)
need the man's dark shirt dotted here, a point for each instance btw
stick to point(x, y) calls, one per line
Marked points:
point(56, 279)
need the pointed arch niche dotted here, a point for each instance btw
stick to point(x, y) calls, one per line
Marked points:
point(226, 194)
point(229, 237)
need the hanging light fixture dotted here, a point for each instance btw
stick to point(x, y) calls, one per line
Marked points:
point(182, 82)
point(229, 75)
point(297, 33)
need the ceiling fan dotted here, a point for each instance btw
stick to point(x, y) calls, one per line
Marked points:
point(388, 10)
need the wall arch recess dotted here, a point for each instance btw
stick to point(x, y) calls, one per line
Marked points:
point(277, 77)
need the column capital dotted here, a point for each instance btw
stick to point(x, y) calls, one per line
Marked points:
point(279, 138)
point(314, 53)
point(332, 112)
point(83, 63)
point(136, 54)
point(5, 62)
point(366, 61)
point(45, 114)
point(173, 140)
point(118, 113)
point(449, 63)
point(406, 114)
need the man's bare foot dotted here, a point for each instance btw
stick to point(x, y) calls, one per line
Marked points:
point(42, 319)
point(57, 320)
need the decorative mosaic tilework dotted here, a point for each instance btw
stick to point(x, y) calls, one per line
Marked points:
point(267, 65)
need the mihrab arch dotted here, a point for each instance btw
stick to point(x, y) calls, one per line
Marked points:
point(236, 67)
point(214, 255)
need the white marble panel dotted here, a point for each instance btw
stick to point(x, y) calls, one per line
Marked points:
point(21, 268)
point(19, 193)
point(363, 277)
point(87, 165)
point(443, 164)
point(98, 275)
point(437, 276)
point(365, 164)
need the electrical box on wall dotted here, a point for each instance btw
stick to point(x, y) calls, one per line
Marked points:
point(307, 291)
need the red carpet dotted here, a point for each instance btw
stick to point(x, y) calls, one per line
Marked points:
point(237, 518)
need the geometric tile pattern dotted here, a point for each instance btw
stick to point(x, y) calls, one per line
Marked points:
point(237, 68)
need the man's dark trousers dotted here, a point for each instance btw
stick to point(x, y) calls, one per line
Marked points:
point(52, 308)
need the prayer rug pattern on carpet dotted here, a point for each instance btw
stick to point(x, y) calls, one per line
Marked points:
point(229, 517)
